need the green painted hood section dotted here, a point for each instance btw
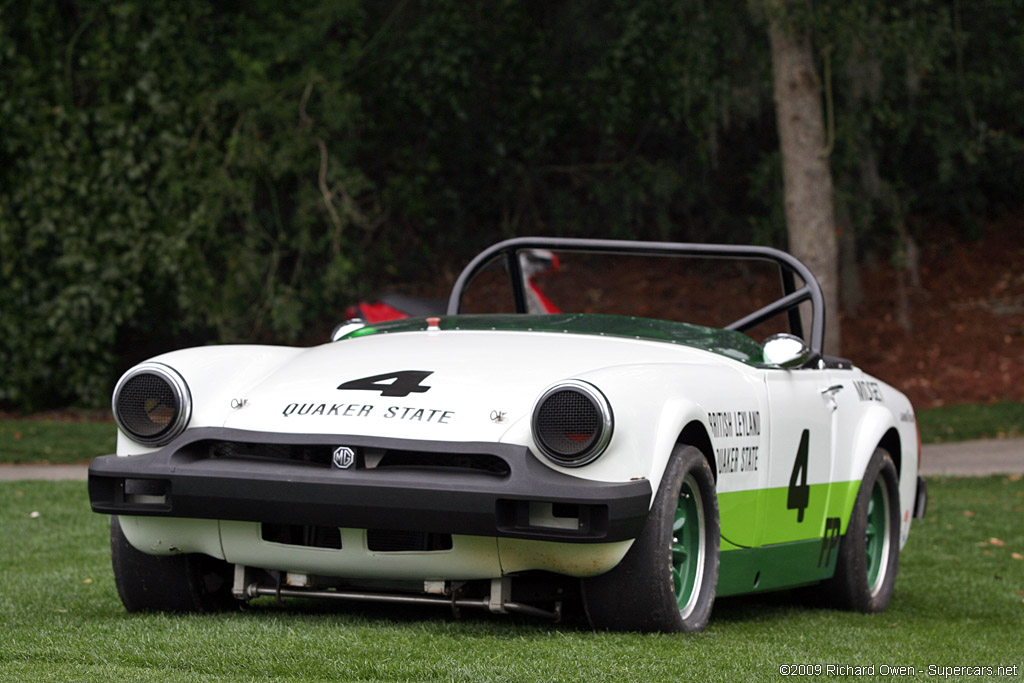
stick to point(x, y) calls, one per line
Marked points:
point(728, 343)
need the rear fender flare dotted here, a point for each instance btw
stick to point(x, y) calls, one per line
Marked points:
point(877, 427)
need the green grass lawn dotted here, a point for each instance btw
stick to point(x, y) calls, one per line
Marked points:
point(43, 441)
point(49, 441)
point(959, 600)
point(960, 423)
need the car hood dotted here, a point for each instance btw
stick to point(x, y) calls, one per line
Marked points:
point(447, 385)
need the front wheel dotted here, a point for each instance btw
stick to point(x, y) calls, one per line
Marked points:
point(869, 552)
point(667, 580)
point(173, 583)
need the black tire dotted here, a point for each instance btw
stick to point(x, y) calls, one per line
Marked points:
point(640, 593)
point(171, 583)
point(869, 552)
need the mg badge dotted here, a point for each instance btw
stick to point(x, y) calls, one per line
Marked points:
point(343, 457)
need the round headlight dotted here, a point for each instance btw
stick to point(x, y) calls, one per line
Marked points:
point(572, 423)
point(152, 404)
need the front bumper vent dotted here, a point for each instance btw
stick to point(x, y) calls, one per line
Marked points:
point(366, 457)
point(302, 535)
point(380, 541)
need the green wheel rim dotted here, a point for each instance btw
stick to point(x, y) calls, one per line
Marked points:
point(688, 546)
point(877, 538)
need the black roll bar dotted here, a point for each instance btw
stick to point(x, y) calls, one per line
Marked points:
point(788, 266)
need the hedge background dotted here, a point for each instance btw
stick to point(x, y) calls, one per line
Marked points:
point(180, 172)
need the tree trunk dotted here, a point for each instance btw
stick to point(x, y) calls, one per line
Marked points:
point(810, 215)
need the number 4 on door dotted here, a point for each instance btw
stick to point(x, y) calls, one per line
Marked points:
point(799, 491)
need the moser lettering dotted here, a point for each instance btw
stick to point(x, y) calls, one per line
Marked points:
point(868, 391)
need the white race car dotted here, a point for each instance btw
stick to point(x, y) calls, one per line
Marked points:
point(517, 462)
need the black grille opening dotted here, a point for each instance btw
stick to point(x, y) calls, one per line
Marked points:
point(568, 423)
point(382, 541)
point(565, 510)
point(542, 518)
point(366, 458)
point(145, 487)
point(302, 535)
point(147, 405)
point(313, 454)
point(479, 462)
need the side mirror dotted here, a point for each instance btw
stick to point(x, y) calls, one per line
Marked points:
point(350, 325)
point(786, 351)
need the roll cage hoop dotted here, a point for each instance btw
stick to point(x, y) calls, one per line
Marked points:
point(789, 267)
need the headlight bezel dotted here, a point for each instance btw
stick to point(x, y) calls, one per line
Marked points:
point(606, 424)
point(178, 389)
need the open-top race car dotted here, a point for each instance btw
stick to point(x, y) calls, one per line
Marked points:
point(519, 462)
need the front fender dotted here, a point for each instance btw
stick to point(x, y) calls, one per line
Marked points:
point(215, 375)
point(652, 405)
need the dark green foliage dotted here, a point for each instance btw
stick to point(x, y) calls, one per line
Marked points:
point(183, 172)
point(925, 89)
point(170, 172)
point(495, 119)
point(93, 193)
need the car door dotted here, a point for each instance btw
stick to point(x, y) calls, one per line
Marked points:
point(801, 451)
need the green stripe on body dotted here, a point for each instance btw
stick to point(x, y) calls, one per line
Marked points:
point(761, 517)
point(773, 567)
point(766, 547)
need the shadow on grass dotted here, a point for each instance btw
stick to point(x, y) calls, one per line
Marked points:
point(757, 608)
point(766, 606)
point(427, 616)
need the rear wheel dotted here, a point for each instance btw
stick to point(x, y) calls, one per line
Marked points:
point(869, 552)
point(667, 580)
point(172, 583)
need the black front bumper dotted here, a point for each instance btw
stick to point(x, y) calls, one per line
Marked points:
point(189, 478)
